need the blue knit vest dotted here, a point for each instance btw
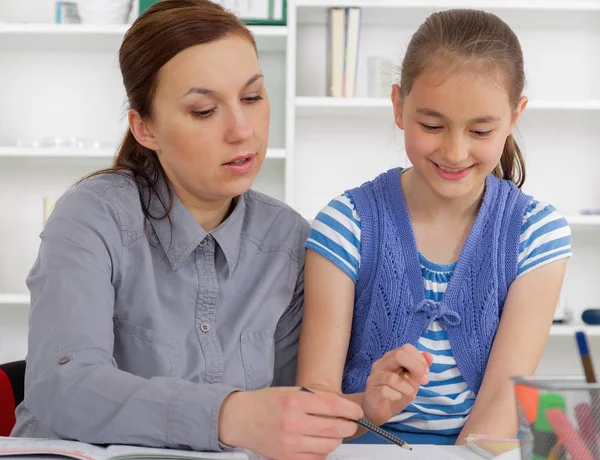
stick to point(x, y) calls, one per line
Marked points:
point(390, 308)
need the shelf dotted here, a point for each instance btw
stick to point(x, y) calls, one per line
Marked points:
point(564, 330)
point(14, 299)
point(358, 105)
point(88, 37)
point(568, 5)
point(528, 14)
point(583, 220)
point(50, 152)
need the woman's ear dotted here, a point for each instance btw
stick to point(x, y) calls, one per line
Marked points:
point(518, 111)
point(397, 104)
point(141, 130)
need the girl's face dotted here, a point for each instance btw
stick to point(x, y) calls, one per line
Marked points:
point(455, 126)
point(210, 120)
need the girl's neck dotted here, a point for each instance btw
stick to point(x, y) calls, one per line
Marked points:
point(425, 205)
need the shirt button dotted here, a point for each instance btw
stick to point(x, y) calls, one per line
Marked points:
point(63, 360)
point(202, 243)
point(204, 327)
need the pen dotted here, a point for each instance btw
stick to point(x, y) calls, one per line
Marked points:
point(375, 429)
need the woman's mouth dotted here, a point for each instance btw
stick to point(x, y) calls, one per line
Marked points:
point(241, 164)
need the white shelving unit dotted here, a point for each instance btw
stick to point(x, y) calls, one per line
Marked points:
point(63, 80)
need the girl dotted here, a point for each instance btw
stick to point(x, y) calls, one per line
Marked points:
point(167, 296)
point(427, 288)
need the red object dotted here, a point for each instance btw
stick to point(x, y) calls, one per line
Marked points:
point(12, 389)
point(565, 433)
point(7, 405)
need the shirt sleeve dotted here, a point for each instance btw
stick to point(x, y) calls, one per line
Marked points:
point(335, 234)
point(545, 237)
point(287, 333)
point(73, 384)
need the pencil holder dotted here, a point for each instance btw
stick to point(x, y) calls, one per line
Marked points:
point(559, 418)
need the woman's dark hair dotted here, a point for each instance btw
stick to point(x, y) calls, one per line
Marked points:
point(162, 31)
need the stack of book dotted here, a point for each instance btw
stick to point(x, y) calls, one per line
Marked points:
point(343, 35)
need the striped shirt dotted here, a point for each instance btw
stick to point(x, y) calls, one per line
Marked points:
point(443, 405)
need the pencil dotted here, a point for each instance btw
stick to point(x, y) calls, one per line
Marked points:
point(375, 429)
point(586, 360)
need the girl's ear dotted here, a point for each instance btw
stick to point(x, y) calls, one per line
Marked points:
point(397, 103)
point(518, 111)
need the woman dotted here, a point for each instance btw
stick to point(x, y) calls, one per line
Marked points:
point(164, 285)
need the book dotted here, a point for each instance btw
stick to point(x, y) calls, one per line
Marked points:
point(336, 45)
point(353, 16)
point(250, 12)
point(14, 447)
point(490, 447)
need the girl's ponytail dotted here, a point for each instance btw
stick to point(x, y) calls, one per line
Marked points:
point(512, 164)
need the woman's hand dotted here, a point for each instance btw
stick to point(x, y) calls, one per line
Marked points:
point(287, 424)
point(394, 381)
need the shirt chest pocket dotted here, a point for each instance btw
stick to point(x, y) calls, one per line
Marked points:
point(258, 357)
point(144, 352)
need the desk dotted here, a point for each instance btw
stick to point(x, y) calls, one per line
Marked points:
point(459, 451)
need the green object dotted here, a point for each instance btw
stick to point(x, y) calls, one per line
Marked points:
point(548, 401)
point(145, 4)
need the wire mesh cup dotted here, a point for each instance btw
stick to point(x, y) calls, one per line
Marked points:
point(559, 418)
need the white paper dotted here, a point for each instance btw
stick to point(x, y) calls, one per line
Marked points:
point(514, 454)
point(148, 452)
point(389, 452)
point(21, 446)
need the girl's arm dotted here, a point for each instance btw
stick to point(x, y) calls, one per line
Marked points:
point(324, 339)
point(518, 346)
point(326, 324)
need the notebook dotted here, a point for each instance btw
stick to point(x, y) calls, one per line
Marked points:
point(390, 452)
point(13, 447)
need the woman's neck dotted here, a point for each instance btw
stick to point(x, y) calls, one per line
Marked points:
point(425, 205)
point(209, 214)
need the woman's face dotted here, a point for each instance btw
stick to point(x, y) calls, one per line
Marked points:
point(210, 120)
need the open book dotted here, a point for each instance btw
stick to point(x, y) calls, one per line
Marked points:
point(52, 448)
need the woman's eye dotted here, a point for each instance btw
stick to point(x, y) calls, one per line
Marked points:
point(203, 113)
point(431, 128)
point(253, 99)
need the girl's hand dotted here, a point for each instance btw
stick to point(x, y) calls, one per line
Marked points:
point(287, 424)
point(394, 382)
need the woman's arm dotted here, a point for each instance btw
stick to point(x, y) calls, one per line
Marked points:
point(518, 346)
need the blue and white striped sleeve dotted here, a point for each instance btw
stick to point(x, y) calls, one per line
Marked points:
point(545, 237)
point(335, 234)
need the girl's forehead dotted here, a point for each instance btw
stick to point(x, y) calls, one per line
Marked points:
point(460, 95)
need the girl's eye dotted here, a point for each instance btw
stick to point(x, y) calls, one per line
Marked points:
point(203, 113)
point(482, 133)
point(253, 99)
point(431, 128)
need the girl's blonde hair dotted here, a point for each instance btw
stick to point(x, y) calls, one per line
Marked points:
point(464, 37)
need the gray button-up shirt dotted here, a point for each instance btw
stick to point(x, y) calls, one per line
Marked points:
point(139, 330)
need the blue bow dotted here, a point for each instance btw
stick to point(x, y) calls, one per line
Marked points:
point(438, 311)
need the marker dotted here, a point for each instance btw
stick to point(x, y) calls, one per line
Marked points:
point(569, 437)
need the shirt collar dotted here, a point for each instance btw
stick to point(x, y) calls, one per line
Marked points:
point(179, 233)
